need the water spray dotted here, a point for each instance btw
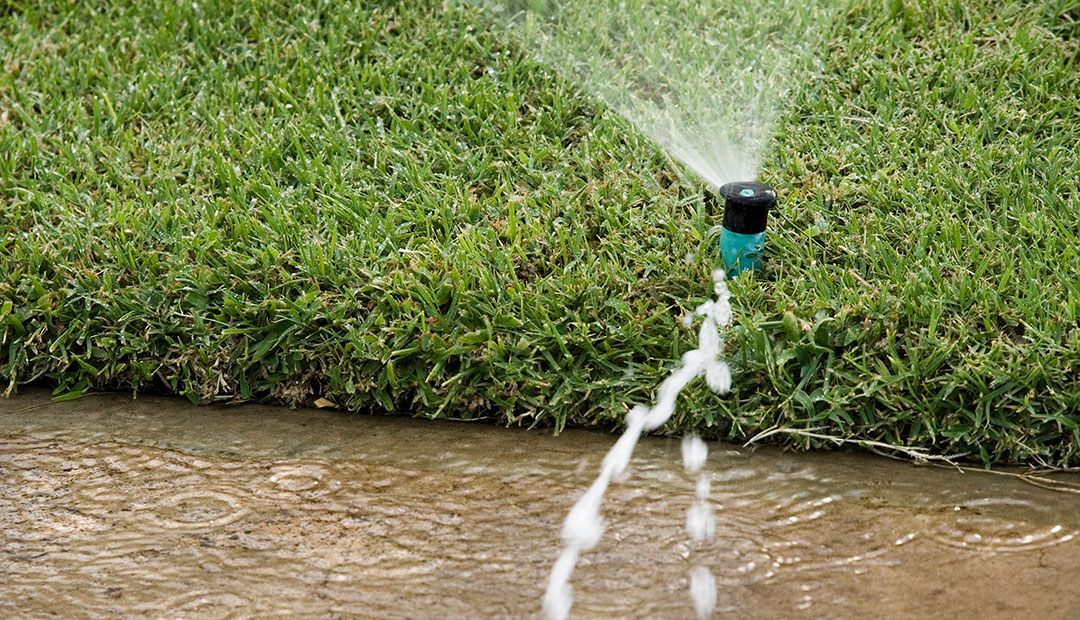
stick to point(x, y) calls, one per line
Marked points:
point(742, 239)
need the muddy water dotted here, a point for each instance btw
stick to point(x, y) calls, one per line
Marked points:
point(111, 508)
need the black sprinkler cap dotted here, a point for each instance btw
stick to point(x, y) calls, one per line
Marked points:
point(746, 206)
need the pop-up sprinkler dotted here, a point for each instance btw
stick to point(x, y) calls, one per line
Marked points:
point(746, 209)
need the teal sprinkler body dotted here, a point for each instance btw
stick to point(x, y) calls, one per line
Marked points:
point(742, 239)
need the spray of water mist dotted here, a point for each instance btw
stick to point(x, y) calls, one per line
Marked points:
point(704, 79)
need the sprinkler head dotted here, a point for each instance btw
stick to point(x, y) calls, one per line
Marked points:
point(746, 206)
point(746, 210)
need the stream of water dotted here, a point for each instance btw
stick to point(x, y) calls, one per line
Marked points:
point(153, 508)
point(584, 525)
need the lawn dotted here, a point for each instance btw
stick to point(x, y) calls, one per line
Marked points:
point(393, 207)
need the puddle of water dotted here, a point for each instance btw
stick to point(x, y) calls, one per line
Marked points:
point(153, 508)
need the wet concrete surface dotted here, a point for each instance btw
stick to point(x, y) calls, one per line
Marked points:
point(153, 508)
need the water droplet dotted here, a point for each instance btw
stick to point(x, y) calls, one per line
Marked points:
point(703, 591)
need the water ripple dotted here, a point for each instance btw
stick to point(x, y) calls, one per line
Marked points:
point(205, 605)
point(195, 509)
point(997, 524)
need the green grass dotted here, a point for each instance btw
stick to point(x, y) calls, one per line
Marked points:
point(394, 209)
